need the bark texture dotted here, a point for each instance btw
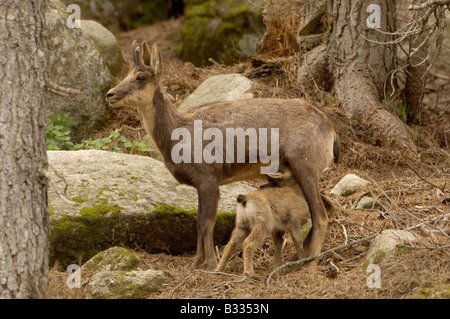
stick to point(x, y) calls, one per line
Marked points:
point(361, 61)
point(415, 72)
point(282, 24)
point(23, 187)
point(356, 63)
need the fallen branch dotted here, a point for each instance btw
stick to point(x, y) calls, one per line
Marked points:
point(429, 4)
point(325, 253)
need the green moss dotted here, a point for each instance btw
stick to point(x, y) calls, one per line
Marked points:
point(76, 239)
point(366, 264)
point(330, 99)
point(214, 28)
point(397, 107)
point(434, 293)
point(79, 199)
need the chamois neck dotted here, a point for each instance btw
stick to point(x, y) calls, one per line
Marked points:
point(160, 119)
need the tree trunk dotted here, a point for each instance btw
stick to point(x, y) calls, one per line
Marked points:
point(281, 24)
point(361, 61)
point(24, 214)
point(415, 72)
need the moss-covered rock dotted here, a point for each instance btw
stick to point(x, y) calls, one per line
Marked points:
point(112, 259)
point(127, 284)
point(75, 239)
point(225, 30)
point(387, 245)
point(128, 201)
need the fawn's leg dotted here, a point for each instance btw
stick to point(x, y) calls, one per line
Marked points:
point(257, 235)
point(277, 237)
point(298, 242)
point(238, 236)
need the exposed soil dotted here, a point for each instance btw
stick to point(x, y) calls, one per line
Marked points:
point(410, 193)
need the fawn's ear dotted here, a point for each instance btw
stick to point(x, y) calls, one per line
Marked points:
point(155, 60)
point(241, 199)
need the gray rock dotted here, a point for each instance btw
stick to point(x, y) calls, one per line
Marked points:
point(75, 62)
point(106, 43)
point(125, 200)
point(368, 202)
point(127, 284)
point(224, 87)
point(349, 184)
point(385, 245)
point(136, 183)
point(114, 258)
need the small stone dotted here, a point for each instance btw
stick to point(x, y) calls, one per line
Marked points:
point(348, 185)
point(127, 284)
point(367, 202)
point(385, 245)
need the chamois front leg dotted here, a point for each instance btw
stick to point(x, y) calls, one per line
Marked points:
point(208, 199)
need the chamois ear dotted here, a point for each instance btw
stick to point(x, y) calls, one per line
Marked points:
point(136, 52)
point(146, 54)
point(155, 61)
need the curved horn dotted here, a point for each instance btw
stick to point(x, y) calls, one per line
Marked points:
point(136, 52)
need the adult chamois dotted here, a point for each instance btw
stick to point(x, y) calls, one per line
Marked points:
point(304, 142)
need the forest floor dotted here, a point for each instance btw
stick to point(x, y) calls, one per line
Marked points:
point(411, 193)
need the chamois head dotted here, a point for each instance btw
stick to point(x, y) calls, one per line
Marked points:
point(139, 87)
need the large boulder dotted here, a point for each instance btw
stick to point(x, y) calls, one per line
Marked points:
point(106, 43)
point(225, 30)
point(125, 200)
point(120, 15)
point(75, 63)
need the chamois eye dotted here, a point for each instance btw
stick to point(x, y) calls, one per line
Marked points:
point(141, 77)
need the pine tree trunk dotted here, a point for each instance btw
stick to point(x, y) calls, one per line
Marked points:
point(415, 72)
point(361, 61)
point(281, 24)
point(24, 214)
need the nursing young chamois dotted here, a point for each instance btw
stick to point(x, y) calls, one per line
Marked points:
point(273, 209)
point(307, 144)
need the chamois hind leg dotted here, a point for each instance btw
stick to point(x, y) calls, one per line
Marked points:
point(208, 197)
point(237, 237)
point(277, 237)
point(308, 180)
point(298, 242)
point(257, 235)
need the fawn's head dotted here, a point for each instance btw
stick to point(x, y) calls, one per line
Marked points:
point(138, 88)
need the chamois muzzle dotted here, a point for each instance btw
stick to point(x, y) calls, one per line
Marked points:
point(111, 97)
